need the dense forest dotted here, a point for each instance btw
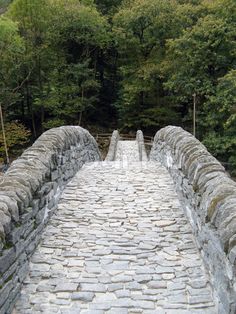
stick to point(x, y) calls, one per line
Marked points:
point(128, 64)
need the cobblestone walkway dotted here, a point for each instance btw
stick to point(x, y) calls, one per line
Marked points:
point(118, 243)
point(127, 151)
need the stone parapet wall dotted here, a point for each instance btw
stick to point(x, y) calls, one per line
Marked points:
point(141, 146)
point(111, 155)
point(208, 196)
point(29, 192)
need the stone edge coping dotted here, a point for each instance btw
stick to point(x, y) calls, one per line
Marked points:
point(141, 146)
point(209, 192)
point(208, 178)
point(113, 146)
point(28, 173)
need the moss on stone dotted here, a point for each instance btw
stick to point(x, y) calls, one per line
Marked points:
point(213, 204)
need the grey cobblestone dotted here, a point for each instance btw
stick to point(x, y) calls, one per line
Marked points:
point(117, 244)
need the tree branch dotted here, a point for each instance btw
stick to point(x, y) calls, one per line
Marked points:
point(22, 83)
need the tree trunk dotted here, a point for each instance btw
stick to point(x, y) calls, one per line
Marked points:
point(80, 117)
point(141, 99)
point(42, 118)
point(42, 111)
point(23, 109)
point(30, 110)
point(81, 111)
point(4, 136)
point(33, 124)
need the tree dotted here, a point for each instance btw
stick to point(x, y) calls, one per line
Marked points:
point(81, 37)
point(79, 62)
point(108, 7)
point(72, 92)
point(221, 135)
point(142, 28)
point(202, 60)
point(61, 37)
point(17, 136)
point(33, 18)
point(12, 51)
point(197, 59)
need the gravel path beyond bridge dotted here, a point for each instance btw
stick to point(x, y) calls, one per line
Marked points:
point(118, 243)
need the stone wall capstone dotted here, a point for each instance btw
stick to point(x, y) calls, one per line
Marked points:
point(141, 146)
point(208, 196)
point(113, 145)
point(29, 193)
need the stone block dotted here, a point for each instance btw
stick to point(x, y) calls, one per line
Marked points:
point(9, 273)
point(23, 271)
point(40, 216)
point(54, 175)
point(5, 291)
point(7, 259)
point(5, 220)
point(16, 234)
point(232, 256)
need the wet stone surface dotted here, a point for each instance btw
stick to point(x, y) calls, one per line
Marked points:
point(118, 243)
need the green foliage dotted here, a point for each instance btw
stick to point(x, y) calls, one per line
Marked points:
point(220, 138)
point(17, 136)
point(108, 7)
point(142, 28)
point(202, 60)
point(131, 63)
point(3, 5)
point(53, 123)
point(60, 73)
point(200, 56)
point(70, 94)
point(11, 58)
point(76, 23)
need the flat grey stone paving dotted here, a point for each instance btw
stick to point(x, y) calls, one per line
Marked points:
point(118, 243)
point(127, 151)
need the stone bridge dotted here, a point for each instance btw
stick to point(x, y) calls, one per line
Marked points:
point(130, 234)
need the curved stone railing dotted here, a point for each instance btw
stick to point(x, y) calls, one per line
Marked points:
point(208, 196)
point(141, 146)
point(111, 155)
point(29, 192)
